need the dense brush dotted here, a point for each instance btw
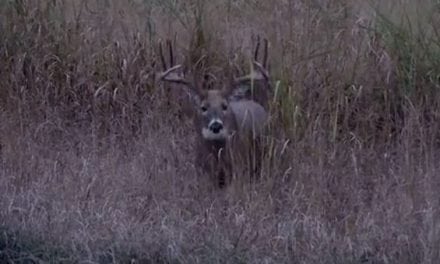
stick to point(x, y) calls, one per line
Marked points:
point(94, 168)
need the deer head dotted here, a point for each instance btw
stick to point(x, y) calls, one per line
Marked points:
point(209, 96)
point(219, 114)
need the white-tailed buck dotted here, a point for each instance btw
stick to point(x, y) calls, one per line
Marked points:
point(227, 118)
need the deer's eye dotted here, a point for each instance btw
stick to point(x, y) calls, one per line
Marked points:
point(204, 108)
point(224, 107)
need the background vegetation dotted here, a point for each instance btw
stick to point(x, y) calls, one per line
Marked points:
point(97, 168)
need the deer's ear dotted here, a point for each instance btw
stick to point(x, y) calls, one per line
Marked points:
point(196, 99)
point(196, 95)
point(239, 92)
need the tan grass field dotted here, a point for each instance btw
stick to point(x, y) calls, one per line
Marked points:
point(97, 164)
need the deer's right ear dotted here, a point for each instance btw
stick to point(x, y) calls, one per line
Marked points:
point(196, 99)
point(238, 92)
point(197, 94)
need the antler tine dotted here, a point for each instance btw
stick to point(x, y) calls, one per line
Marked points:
point(162, 58)
point(230, 73)
point(170, 50)
point(257, 49)
point(170, 70)
point(227, 73)
point(265, 55)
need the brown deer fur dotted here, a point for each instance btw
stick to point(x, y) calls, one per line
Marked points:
point(228, 127)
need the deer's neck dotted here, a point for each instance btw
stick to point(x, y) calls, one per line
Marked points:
point(215, 145)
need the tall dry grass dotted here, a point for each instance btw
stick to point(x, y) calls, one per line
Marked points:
point(96, 168)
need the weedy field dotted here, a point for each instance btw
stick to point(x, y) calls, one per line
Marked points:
point(97, 160)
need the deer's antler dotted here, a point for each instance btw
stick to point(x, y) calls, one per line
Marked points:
point(259, 71)
point(169, 73)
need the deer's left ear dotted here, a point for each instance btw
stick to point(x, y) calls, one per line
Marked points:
point(238, 92)
point(197, 95)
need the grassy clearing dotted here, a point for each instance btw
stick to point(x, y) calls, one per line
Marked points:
point(96, 169)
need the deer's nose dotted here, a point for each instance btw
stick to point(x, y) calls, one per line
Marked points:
point(216, 126)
